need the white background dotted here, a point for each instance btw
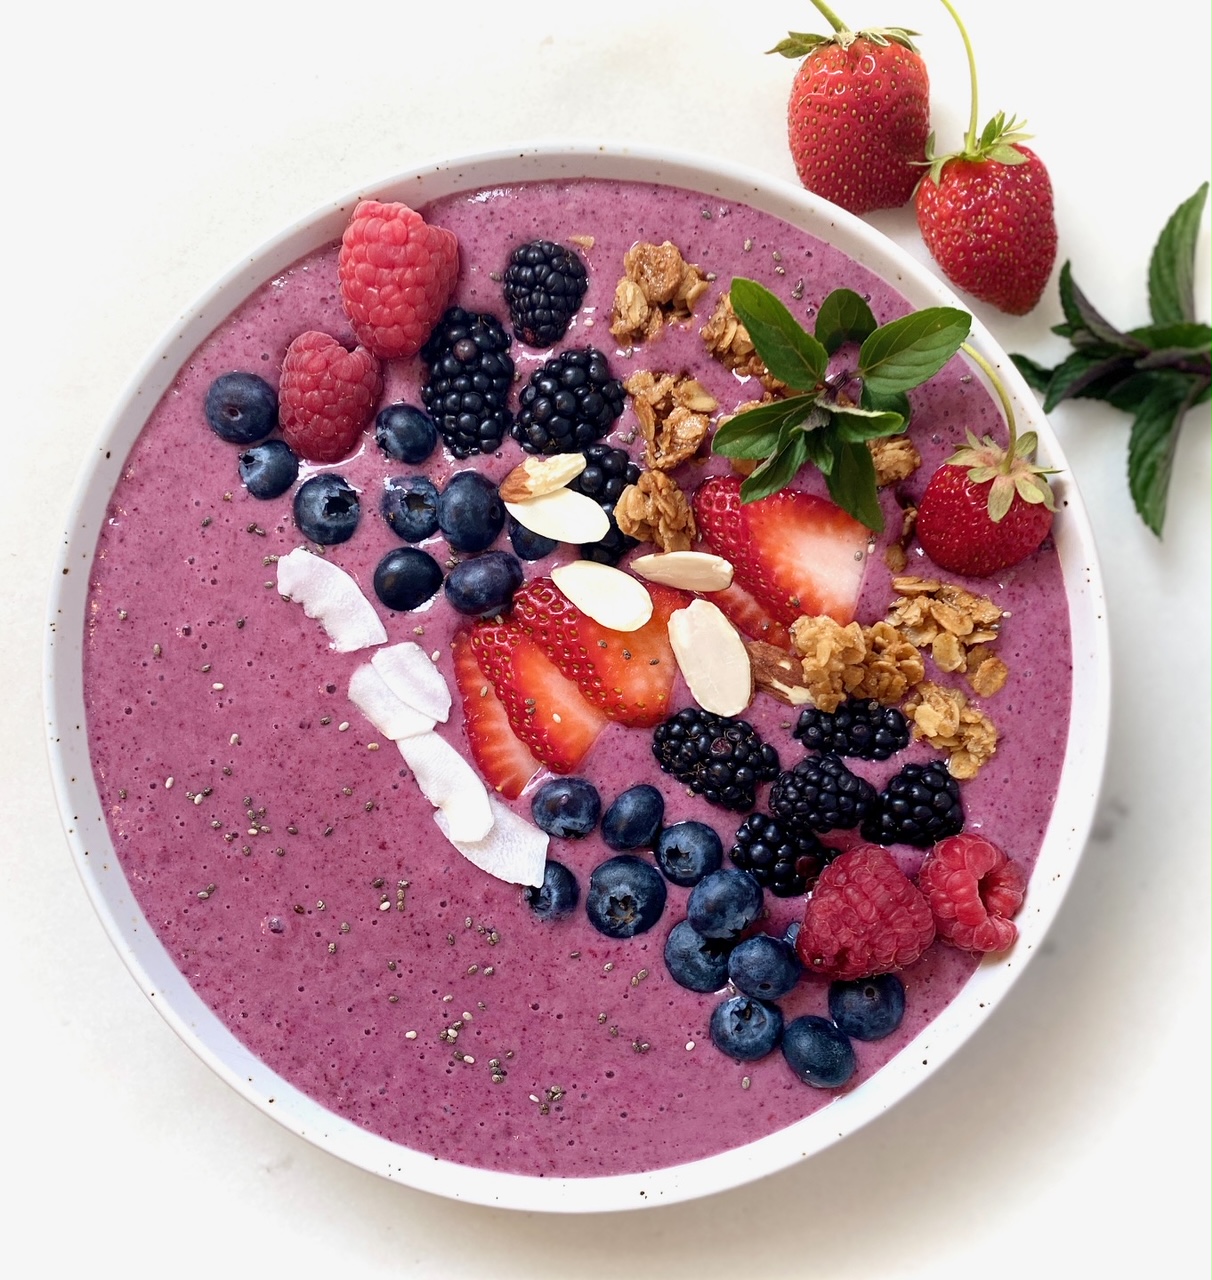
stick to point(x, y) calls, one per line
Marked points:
point(145, 155)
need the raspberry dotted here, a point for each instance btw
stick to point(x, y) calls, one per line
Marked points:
point(397, 274)
point(865, 917)
point(326, 396)
point(973, 890)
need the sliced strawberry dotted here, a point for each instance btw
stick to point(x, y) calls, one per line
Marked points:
point(628, 675)
point(500, 755)
point(795, 552)
point(747, 615)
point(544, 708)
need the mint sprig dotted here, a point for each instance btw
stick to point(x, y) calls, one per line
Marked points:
point(830, 416)
point(1156, 373)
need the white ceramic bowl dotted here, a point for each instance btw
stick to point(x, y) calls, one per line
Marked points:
point(199, 1028)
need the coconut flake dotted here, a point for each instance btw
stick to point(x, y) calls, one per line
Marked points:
point(450, 784)
point(514, 850)
point(375, 699)
point(412, 675)
point(606, 594)
point(328, 594)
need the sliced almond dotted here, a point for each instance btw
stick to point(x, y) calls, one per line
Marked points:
point(537, 476)
point(778, 673)
point(689, 570)
point(562, 514)
point(712, 658)
point(328, 594)
point(393, 718)
point(606, 594)
point(412, 675)
point(514, 850)
point(450, 784)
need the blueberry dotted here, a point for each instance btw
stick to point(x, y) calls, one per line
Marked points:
point(241, 408)
point(410, 507)
point(746, 1029)
point(868, 1008)
point(558, 894)
point(626, 896)
point(268, 469)
point(470, 512)
point(405, 433)
point(687, 851)
point(818, 1053)
point(763, 967)
point(633, 820)
point(695, 962)
point(725, 903)
point(568, 808)
point(406, 577)
point(327, 509)
point(528, 544)
point(484, 584)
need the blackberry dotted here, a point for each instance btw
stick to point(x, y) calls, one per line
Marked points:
point(785, 862)
point(608, 471)
point(569, 402)
point(544, 285)
point(720, 758)
point(859, 727)
point(470, 373)
point(821, 794)
point(920, 806)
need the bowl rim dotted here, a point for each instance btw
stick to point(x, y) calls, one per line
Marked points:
point(148, 961)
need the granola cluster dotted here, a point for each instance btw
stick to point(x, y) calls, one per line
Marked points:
point(728, 341)
point(854, 661)
point(957, 627)
point(655, 510)
point(895, 459)
point(673, 413)
point(943, 718)
point(658, 285)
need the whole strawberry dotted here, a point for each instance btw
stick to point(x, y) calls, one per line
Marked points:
point(858, 115)
point(326, 396)
point(987, 507)
point(864, 917)
point(397, 275)
point(985, 213)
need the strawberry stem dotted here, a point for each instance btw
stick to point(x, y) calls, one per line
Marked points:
point(996, 383)
point(971, 138)
point(830, 17)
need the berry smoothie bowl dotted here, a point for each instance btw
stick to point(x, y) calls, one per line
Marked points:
point(498, 753)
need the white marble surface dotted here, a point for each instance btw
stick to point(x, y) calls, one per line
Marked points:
point(146, 154)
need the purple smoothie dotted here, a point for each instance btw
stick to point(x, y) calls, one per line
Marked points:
point(295, 873)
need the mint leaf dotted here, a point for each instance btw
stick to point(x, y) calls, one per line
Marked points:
point(1077, 372)
point(852, 484)
point(843, 317)
point(1092, 327)
point(903, 354)
point(856, 426)
point(1034, 373)
point(889, 401)
point(1172, 266)
point(1152, 442)
point(778, 470)
point(791, 355)
point(755, 433)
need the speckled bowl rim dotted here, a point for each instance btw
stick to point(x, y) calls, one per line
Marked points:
point(201, 1030)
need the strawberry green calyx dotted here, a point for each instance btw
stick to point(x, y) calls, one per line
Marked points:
point(1008, 470)
point(799, 44)
point(1000, 138)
